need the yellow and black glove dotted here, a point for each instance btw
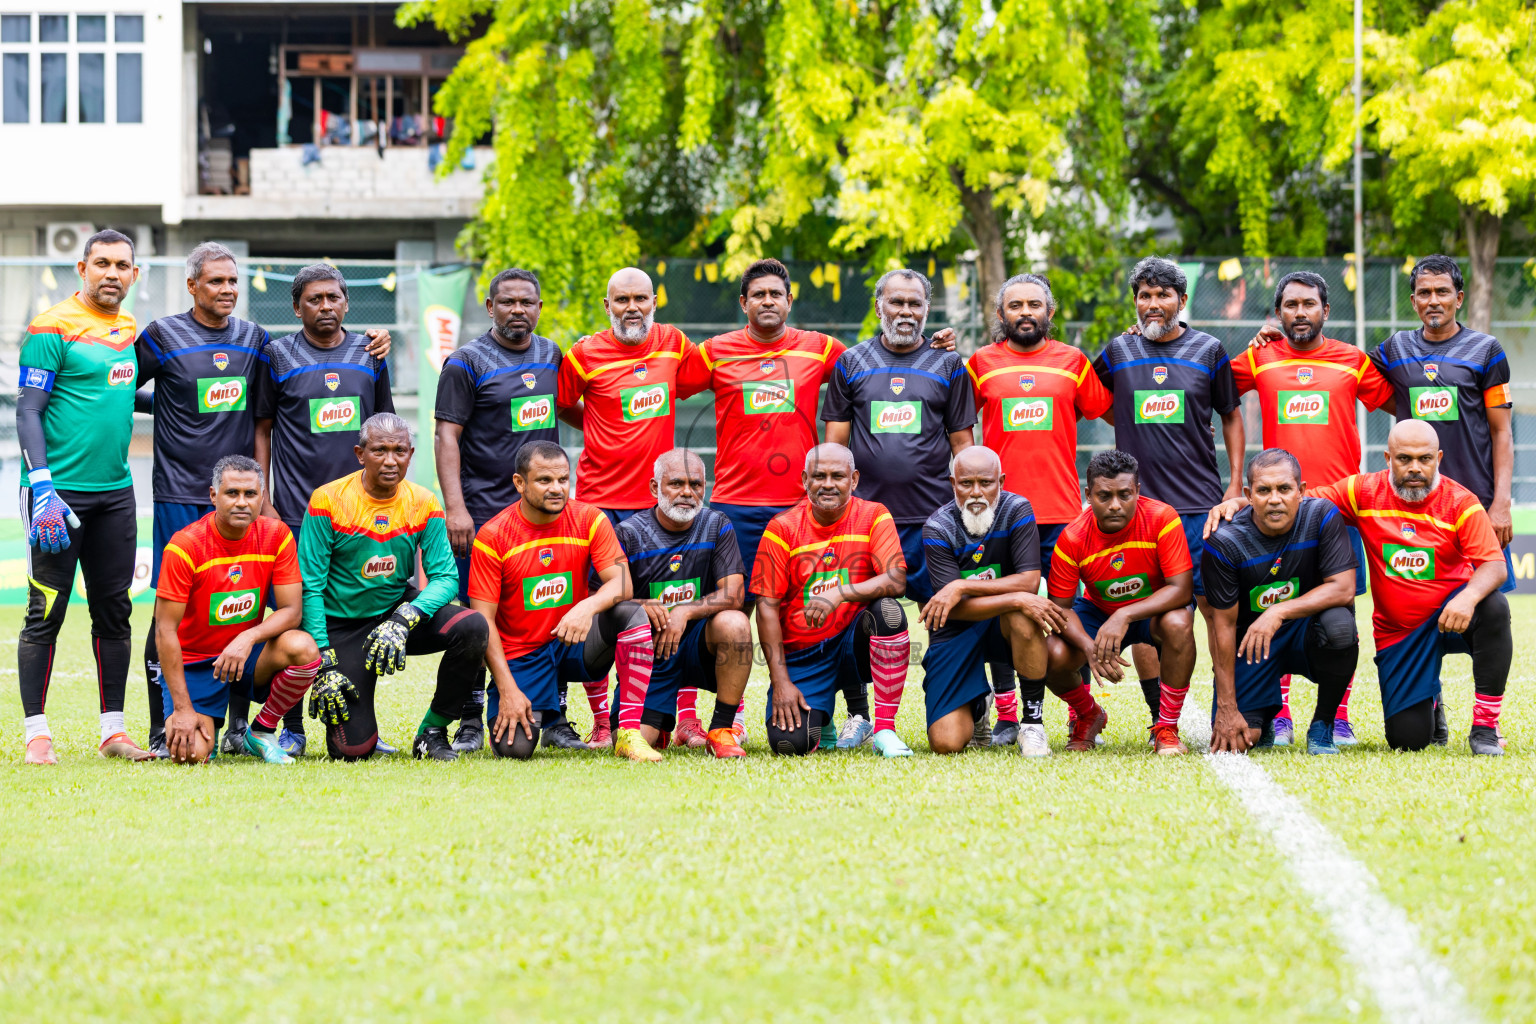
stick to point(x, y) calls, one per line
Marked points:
point(331, 692)
point(386, 641)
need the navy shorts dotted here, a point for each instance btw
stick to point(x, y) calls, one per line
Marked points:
point(1409, 670)
point(1050, 533)
point(1194, 534)
point(749, 522)
point(209, 696)
point(541, 675)
point(691, 665)
point(171, 516)
point(618, 515)
point(821, 671)
point(463, 563)
point(1358, 547)
point(918, 588)
point(1092, 618)
point(955, 671)
point(1258, 686)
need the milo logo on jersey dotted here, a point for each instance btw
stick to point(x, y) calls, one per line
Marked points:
point(895, 418)
point(764, 396)
point(232, 606)
point(220, 394)
point(1408, 563)
point(985, 572)
point(330, 414)
point(646, 403)
point(1159, 406)
point(821, 582)
point(536, 413)
point(379, 565)
point(1266, 595)
point(1433, 403)
point(1126, 588)
point(1028, 414)
point(675, 592)
point(121, 373)
point(552, 591)
point(1303, 407)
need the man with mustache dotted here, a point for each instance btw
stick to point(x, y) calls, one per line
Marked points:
point(1031, 391)
point(314, 390)
point(904, 409)
point(1307, 386)
point(688, 577)
point(495, 394)
point(74, 419)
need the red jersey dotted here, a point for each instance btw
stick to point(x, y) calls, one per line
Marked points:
point(222, 582)
point(631, 394)
point(1418, 552)
point(535, 573)
point(1121, 568)
point(1307, 402)
point(799, 558)
point(765, 412)
point(1029, 406)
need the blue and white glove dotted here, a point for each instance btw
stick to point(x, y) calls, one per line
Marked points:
point(49, 514)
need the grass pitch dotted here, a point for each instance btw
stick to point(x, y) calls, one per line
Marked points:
point(1104, 886)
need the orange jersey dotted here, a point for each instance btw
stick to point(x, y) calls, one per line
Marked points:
point(631, 394)
point(765, 411)
point(799, 558)
point(223, 583)
point(1418, 552)
point(1029, 404)
point(1307, 402)
point(535, 573)
point(1117, 569)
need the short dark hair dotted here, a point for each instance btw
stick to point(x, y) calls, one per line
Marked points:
point(765, 268)
point(235, 464)
point(514, 274)
point(537, 450)
point(1273, 457)
point(1306, 278)
point(316, 272)
point(1436, 264)
point(111, 236)
point(1161, 272)
point(1110, 463)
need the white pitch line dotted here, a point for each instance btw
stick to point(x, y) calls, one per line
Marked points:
point(1377, 937)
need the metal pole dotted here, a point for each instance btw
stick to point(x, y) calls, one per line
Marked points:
point(1359, 174)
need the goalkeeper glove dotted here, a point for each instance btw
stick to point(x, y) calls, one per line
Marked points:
point(49, 514)
point(386, 642)
point(331, 691)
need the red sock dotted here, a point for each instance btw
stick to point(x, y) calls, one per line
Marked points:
point(1486, 708)
point(1008, 706)
point(1285, 697)
point(1081, 702)
point(687, 705)
point(632, 657)
point(1172, 703)
point(288, 688)
point(1342, 715)
point(597, 698)
point(888, 665)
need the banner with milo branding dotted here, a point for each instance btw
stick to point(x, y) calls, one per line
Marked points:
point(441, 297)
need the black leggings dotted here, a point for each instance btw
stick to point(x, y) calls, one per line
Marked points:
point(1493, 647)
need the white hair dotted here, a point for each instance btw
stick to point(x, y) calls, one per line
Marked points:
point(205, 253)
point(673, 453)
point(384, 423)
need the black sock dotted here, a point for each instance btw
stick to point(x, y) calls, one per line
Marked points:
point(474, 705)
point(1031, 701)
point(724, 715)
point(1330, 694)
point(857, 699)
point(152, 683)
point(1002, 677)
point(1152, 693)
point(34, 663)
point(294, 719)
point(112, 658)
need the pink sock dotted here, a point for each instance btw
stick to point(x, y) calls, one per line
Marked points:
point(1342, 715)
point(1008, 706)
point(1171, 704)
point(288, 688)
point(633, 657)
point(1486, 708)
point(687, 705)
point(597, 698)
point(888, 665)
point(1285, 698)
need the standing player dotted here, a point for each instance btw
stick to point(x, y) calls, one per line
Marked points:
point(687, 575)
point(528, 578)
point(209, 614)
point(1167, 379)
point(983, 555)
point(358, 552)
point(495, 394)
point(1280, 578)
point(203, 363)
point(826, 583)
point(315, 389)
point(74, 419)
point(1128, 552)
point(1031, 390)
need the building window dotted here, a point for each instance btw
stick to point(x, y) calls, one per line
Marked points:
point(93, 88)
point(77, 45)
point(15, 28)
point(130, 88)
point(55, 88)
point(53, 28)
point(17, 87)
point(90, 28)
point(130, 28)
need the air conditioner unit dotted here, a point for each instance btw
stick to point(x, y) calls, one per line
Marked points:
point(67, 241)
point(143, 236)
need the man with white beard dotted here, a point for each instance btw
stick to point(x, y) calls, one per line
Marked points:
point(688, 576)
point(983, 552)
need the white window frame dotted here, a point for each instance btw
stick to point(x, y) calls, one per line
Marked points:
point(72, 51)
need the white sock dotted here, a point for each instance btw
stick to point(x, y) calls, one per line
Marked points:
point(36, 725)
point(111, 724)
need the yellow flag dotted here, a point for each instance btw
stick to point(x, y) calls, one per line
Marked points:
point(711, 272)
point(931, 267)
point(661, 268)
point(794, 289)
point(388, 284)
point(1349, 276)
point(661, 296)
point(1408, 263)
point(816, 279)
point(698, 271)
point(1230, 270)
point(950, 278)
point(259, 282)
point(49, 281)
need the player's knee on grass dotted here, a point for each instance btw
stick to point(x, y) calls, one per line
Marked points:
point(950, 734)
point(800, 741)
point(1413, 728)
point(357, 737)
point(1334, 629)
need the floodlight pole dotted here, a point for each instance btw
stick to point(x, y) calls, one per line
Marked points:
point(1359, 174)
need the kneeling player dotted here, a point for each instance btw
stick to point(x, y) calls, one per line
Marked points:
point(1130, 555)
point(827, 576)
point(358, 551)
point(1280, 580)
point(209, 625)
point(688, 577)
point(528, 576)
point(983, 555)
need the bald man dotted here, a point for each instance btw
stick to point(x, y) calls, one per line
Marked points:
point(826, 580)
point(1436, 568)
point(983, 554)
